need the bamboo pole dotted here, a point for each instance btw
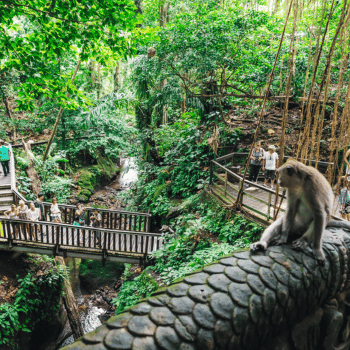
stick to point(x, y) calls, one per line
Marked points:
point(292, 52)
point(238, 202)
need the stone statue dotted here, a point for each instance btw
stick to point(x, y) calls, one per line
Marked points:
point(280, 299)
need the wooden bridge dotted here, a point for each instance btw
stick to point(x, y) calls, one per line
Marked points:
point(226, 179)
point(123, 236)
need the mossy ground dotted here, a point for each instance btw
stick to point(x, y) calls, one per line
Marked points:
point(91, 177)
point(93, 275)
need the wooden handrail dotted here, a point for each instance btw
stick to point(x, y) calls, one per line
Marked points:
point(90, 228)
point(69, 206)
point(245, 154)
point(253, 184)
point(12, 169)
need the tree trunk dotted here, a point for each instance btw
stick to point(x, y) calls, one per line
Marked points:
point(117, 77)
point(31, 172)
point(92, 74)
point(59, 116)
point(99, 81)
point(163, 13)
point(8, 111)
point(71, 306)
point(277, 3)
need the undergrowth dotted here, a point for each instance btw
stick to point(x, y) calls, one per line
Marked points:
point(201, 237)
point(132, 291)
point(37, 300)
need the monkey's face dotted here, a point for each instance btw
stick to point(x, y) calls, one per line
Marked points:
point(288, 175)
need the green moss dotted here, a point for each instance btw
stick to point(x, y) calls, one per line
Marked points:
point(93, 275)
point(91, 177)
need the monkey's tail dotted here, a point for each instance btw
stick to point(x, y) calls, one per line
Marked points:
point(339, 224)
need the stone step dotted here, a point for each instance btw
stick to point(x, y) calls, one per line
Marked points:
point(5, 193)
point(3, 208)
point(4, 186)
point(6, 200)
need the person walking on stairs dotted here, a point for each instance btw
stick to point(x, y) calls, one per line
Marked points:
point(4, 157)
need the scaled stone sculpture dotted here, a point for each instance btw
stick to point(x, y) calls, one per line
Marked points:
point(280, 299)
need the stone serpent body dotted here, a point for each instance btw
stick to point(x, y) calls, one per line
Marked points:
point(278, 299)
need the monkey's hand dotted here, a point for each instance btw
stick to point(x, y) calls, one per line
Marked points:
point(258, 246)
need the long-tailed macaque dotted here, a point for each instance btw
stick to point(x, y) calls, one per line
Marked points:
point(309, 205)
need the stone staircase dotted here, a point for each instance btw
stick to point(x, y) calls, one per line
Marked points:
point(6, 196)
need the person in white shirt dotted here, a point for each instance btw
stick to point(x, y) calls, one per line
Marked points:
point(32, 215)
point(55, 211)
point(270, 163)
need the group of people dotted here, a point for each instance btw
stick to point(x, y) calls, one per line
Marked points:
point(267, 161)
point(36, 213)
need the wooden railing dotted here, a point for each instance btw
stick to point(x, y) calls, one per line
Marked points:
point(78, 241)
point(111, 219)
point(229, 183)
point(237, 158)
point(226, 181)
point(12, 169)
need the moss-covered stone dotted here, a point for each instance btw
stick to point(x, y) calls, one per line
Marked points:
point(91, 177)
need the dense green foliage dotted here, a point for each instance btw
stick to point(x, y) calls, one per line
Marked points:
point(131, 292)
point(37, 300)
point(201, 236)
point(38, 36)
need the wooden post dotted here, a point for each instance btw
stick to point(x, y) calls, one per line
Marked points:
point(71, 306)
point(211, 173)
point(148, 224)
point(240, 193)
point(225, 182)
point(269, 206)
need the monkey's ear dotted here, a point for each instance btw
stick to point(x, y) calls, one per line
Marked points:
point(290, 171)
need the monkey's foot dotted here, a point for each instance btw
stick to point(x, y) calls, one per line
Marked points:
point(300, 243)
point(279, 241)
point(319, 256)
point(258, 246)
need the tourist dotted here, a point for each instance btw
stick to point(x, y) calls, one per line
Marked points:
point(55, 211)
point(347, 161)
point(33, 215)
point(270, 165)
point(81, 214)
point(4, 157)
point(95, 221)
point(256, 160)
point(22, 210)
point(12, 214)
point(344, 198)
point(40, 206)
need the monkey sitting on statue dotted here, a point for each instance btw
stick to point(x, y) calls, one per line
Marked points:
point(309, 206)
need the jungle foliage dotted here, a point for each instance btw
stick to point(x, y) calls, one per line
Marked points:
point(37, 300)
